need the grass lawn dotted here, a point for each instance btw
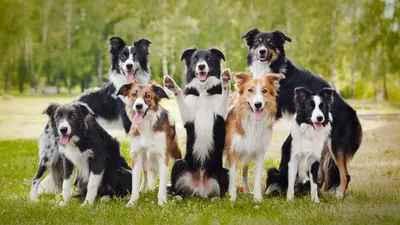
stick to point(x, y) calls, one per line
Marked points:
point(373, 196)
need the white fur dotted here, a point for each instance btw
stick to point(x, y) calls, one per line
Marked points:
point(206, 68)
point(206, 186)
point(92, 188)
point(317, 111)
point(140, 101)
point(64, 124)
point(153, 146)
point(307, 145)
point(258, 68)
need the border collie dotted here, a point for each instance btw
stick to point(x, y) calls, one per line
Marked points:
point(267, 54)
point(152, 137)
point(311, 127)
point(102, 170)
point(128, 63)
point(203, 107)
point(249, 128)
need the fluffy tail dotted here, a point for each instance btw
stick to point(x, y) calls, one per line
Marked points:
point(276, 182)
point(57, 171)
point(332, 178)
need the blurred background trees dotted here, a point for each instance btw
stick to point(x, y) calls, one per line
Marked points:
point(353, 44)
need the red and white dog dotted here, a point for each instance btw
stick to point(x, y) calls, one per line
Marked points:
point(249, 127)
point(152, 138)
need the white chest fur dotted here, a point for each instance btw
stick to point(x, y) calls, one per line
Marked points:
point(258, 69)
point(255, 139)
point(78, 158)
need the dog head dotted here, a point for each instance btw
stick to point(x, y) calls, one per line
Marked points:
point(126, 60)
point(202, 64)
point(313, 109)
point(258, 94)
point(265, 47)
point(142, 99)
point(69, 119)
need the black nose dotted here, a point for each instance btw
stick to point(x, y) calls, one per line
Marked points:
point(202, 67)
point(320, 118)
point(63, 130)
point(129, 66)
point(139, 106)
point(258, 105)
point(262, 51)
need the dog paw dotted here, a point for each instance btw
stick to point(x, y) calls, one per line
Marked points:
point(257, 197)
point(131, 203)
point(316, 200)
point(225, 78)
point(339, 194)
point(105, 198)
point(170, 84)
point(233, 198)
point(62, 204)
point(289, 197)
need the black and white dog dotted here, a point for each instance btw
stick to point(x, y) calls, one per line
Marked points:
point(102, 170)
point(203, 106)
point(311, 127)
point(266, 54)
point(128, 63)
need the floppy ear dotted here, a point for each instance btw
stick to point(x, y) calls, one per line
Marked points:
point(241, 78)
point(85, 109)
point(249, 36)
point(281, 37)
point(160, 92)
point(327, 94)
point(116, 44)
point(188, 53)
point(301, 94)
point(217, 52)
point(143, 43)
point(124, 89)
point(49, 110)
point(274, 79)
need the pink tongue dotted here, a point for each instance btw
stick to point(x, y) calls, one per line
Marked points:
point(130, 77)
point(257, 114)
point(138, 117)
point(64, 139)
point(202, 76)
point(318, 127)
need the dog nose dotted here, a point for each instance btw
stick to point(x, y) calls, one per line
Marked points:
point(202, 67)
point(139, 106)
point(257, 105)
point(129, 66)
point(262, 51)
point(320, 118)
point(63, 130)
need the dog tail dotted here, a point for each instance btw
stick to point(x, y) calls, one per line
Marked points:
point(332, 177)
point(121, 181)
point(57, 170)
point(276, 182)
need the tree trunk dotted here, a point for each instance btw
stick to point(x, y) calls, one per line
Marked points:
point(353, 67)
point(100, 69)
point(7, 82)
point(333, 53)
point(385, 91)
point(164, 41)
point(68, 43)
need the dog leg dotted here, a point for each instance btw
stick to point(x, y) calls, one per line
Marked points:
point(232, 180)
point(344, 175)
point(43, 166)
point(68, 181)
point(162, 189)
point(180, 100)
point(245, 175)
point(92, 188)
point(137, 166)
point(291, 178)
point(224, 104)
point(313, 182)
point(143, 185)
point(258, 168)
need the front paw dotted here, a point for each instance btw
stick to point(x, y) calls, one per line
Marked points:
point(289, 197)
point(131, 203)
point(233, 197)
point(257, 197)
point(62, 204)
point(225, 78)
point(170, 84)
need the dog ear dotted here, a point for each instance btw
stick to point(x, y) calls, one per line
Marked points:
point(281, 37)
point(143, 43)
point(160, 92)
point(116, 44)
point(327, 94)
point(241, 78)
point(49, 110)
point(218, 53)
point(274, 78)
point(188, 53)
point(301, 94)
point(123, 90)
point(249, 36)
point(85, 109)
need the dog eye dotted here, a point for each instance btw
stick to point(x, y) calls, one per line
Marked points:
point(264, 91)
point(72, 116)
point(208, 58)
point(134, 54)
point(134, 94)
point(58, 116)
point(147, 96)
point(250, 90)
point(123, 57)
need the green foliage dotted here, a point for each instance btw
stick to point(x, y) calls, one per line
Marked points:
point(64, 43)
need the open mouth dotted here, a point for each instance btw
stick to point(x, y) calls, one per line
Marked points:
point(139, 115)
point(202, 76)
point(318, 126)
point(257, 113)
point(130, 75)
point(64, 139)
point(262, 58)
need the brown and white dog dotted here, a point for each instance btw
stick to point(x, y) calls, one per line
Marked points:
point(152, 138)
point(249, 127)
